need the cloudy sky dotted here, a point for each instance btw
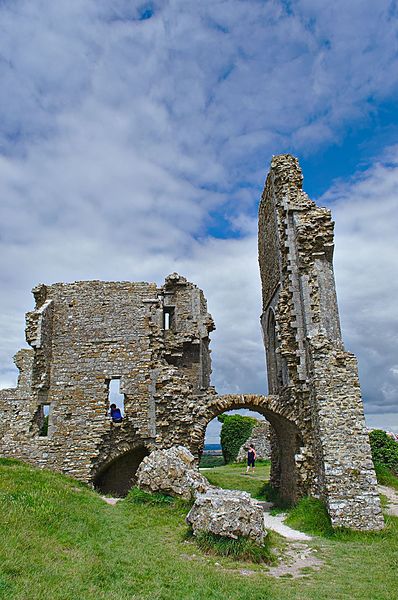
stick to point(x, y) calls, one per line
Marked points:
point(135, 139)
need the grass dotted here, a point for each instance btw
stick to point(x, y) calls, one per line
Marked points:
point(208, 461)
point(233, 477)
point(61, 541)
point(138, 496)
point(239, 549)
point(310, 516)
point(385, 476)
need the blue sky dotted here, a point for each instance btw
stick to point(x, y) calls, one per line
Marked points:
point(135, 139)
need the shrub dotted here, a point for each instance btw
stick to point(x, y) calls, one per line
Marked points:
point(44, 428)
point(235, 430)
point(384, 449)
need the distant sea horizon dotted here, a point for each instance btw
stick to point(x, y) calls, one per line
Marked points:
point(212, 447)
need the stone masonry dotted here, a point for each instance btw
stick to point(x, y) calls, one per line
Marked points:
point(315, 379)
point(155, 342)
point(83, 335)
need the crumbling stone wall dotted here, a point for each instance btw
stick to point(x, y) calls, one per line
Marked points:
point(87, 333)
point(308, 367)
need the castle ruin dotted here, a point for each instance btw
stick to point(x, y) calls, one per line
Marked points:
point(155, 342)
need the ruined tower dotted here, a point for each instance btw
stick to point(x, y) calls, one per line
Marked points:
point(315, 379)
point(152, 340)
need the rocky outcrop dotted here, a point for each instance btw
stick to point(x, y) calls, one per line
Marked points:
point(172, 471)
point(260, 440)
point(227, 513)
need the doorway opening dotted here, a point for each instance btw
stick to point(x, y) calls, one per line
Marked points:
point(252, 428)
point(118, 477)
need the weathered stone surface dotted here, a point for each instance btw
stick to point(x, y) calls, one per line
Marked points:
point(316, 380)
point(260, 438)
point(228, 513)
point(172, 471)
point(154, 340)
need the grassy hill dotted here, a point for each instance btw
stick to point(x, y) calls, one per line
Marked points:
point(61, 541)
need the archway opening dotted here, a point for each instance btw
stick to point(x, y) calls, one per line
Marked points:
point(118, 476)
point(257, 433)
point(286, 441)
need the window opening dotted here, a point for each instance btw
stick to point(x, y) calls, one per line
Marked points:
point(168, 317)
point(42, 419)
point(114, 394)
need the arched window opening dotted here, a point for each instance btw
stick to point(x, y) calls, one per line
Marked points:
point(273, 361)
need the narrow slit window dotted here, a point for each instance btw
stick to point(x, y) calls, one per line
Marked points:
point(168, 317)
point(114, 395)
point(43, 418)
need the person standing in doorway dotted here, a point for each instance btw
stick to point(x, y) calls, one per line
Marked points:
point(251, 459)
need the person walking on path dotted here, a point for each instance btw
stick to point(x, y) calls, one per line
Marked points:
point(251, 459)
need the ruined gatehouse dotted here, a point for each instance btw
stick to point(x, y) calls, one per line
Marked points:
point(155, 342)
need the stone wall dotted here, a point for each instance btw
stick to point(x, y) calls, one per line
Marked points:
point(308, 367)
point(87, 333)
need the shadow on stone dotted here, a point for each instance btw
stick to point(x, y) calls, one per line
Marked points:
point(118, 476)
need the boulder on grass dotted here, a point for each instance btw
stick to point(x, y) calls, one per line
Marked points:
point(227, 513)
point(173, 472)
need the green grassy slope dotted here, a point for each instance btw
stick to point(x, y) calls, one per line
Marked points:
point(60, 541)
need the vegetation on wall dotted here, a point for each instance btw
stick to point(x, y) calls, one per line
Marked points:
point(235, 430)
point(384, 450)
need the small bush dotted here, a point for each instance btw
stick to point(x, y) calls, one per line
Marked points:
point(384, 449)
point(234, 432)
point(270, 494)
point(138, 496)
point(44, 428)
point(240, 549)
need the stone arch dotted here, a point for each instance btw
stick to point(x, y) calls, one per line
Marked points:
point(286, 438)
point(117, 475)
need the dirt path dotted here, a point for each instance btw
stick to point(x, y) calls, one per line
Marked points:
point(392, 496)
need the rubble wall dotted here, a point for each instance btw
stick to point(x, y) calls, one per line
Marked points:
point(85, 334)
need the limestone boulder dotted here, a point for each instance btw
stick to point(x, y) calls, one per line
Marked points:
point(227, 513)
point(172, 471)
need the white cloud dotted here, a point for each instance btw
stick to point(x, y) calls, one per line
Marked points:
point(365, 210)
point(123, 141)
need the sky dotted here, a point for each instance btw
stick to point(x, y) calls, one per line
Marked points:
point(135, 138)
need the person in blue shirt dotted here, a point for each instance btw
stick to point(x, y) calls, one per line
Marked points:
point(115, 414)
